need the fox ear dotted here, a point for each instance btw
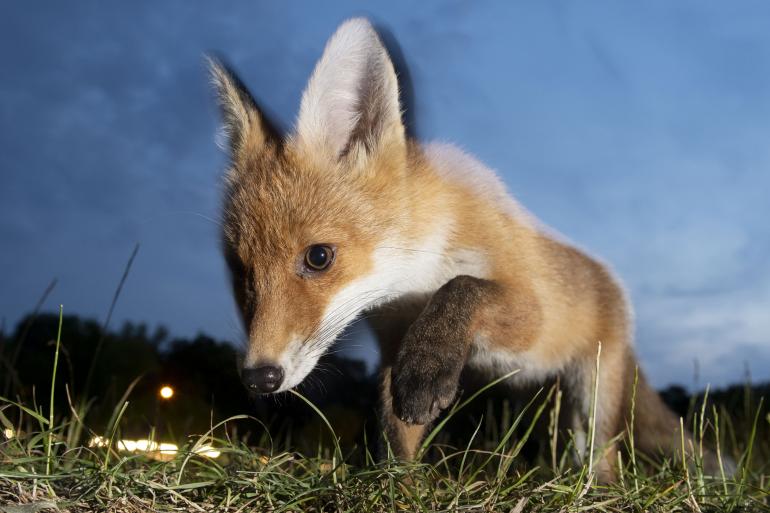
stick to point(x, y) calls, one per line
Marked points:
point(350, 108)
point(245, 127)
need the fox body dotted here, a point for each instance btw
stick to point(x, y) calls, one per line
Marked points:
point(347, 214)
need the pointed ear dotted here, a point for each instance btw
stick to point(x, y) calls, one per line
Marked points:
point(350, 108)
point(244, 126)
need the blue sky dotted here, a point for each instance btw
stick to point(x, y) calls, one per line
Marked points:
point(640, 130)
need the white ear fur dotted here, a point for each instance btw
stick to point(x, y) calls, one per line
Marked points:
point(351, 101)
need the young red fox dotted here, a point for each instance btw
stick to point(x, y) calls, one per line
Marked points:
point(348, 215)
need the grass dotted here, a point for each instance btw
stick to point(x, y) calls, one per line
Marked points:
point(50, 462)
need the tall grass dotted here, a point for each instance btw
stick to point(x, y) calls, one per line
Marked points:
point(50, 462)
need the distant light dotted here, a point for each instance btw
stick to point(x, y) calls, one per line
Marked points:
point(145, 445)
point(127, 445)
point(98, 441)
point(208, 451)
point(168, 448)
point(153, 449)
point(166, 392)
point(9, 433)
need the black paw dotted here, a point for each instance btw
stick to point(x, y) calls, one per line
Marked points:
point(421, 387)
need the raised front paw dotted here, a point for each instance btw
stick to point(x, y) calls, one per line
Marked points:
point(422, 386)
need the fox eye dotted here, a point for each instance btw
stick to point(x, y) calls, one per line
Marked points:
point(318, 257)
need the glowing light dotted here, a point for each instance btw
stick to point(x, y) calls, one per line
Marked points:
point(98, 441)
point(9, 433)
point(207, 451)
point(168, 448)
point(166, 392)
point(153, 449)
point(127, 445)
point(145, 445)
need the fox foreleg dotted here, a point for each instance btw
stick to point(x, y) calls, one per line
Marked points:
point(431, 356)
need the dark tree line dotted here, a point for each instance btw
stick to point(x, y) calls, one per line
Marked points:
point(204, 375)
point(202, 371)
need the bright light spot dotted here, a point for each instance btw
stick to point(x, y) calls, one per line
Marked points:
point(208, 451)
point(127, 445)
point(166, 392)
point(168, 448)
point(153, 449)
point(9, 433)
point(97, 441)
point(146, 445)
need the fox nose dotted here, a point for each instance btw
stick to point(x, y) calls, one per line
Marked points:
point(263, 379)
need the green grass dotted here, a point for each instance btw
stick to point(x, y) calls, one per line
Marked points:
point(48, 463)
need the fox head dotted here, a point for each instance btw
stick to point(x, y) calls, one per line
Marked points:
point(310, 219)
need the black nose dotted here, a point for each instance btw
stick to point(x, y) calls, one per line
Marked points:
point(263, 379)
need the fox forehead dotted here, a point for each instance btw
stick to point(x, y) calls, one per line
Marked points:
point(277, 205)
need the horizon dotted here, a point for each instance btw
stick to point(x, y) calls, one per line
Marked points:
point(637, 131)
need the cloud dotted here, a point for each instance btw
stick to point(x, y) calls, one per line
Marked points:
point(726, 332)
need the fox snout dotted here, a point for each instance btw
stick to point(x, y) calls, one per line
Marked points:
point(263, 379)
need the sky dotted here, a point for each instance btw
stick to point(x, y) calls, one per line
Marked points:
point(640, 130)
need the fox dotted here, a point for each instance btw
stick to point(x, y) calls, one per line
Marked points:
point(348, 215)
